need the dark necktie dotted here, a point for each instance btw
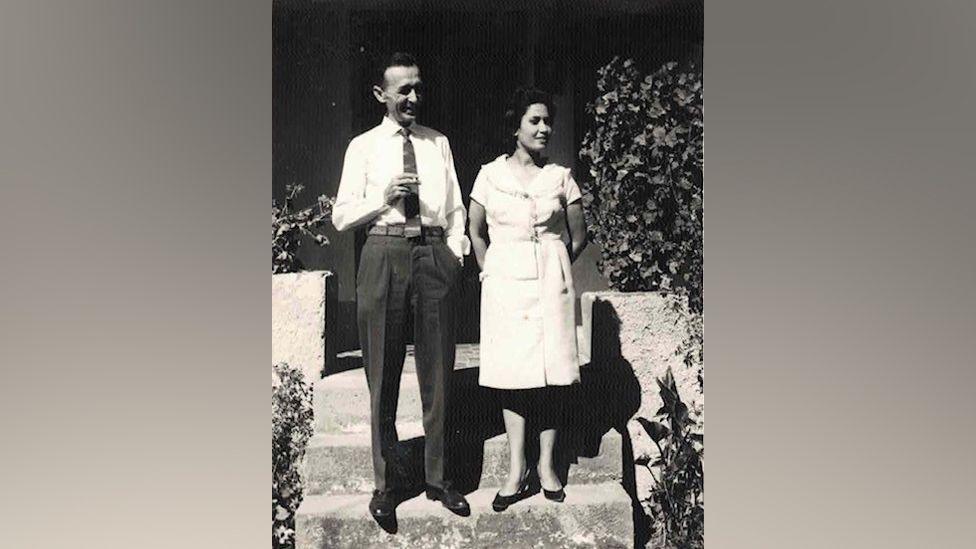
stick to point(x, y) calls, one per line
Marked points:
point(411, 202)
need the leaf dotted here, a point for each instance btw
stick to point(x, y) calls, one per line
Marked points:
point(681, 412)
point(632, 160)
point(656, 431)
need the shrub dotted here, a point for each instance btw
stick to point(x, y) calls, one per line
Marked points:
point(644, 203)
point(692, 349)
point(289, 225)
point(677, 501)
point(291, 428)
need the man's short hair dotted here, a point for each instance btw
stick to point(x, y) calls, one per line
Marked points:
point(398, 59)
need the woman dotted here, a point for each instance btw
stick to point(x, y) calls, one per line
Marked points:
point(523, 205)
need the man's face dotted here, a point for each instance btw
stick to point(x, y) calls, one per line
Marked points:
point(401, 93)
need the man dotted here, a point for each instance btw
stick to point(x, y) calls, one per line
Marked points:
point(398, 180)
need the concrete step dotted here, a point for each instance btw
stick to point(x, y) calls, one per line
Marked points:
point(467, 355)
point(595, 515)
point(342, 463)
point(341, 401)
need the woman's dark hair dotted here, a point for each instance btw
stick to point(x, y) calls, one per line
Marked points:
point(520, 101)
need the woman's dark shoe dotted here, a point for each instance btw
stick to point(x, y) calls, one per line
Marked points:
point(553, 495)
point(558, 495)
point(503, 502)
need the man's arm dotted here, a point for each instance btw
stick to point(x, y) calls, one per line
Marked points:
point(353, 207)
point(453, 207)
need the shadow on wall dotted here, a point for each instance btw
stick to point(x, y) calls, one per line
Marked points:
point(622, 398)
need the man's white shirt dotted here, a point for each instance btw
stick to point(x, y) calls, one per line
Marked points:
point(375, 157)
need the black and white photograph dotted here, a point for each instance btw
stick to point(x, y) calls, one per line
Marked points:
point(487, 274)
point(487, 283)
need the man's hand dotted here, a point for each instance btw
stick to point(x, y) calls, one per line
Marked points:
point(400, 186)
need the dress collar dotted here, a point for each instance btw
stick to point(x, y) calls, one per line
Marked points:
point(505, 178)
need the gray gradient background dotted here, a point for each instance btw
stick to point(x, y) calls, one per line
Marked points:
point(135, 159)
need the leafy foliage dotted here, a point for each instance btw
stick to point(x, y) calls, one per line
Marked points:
point(692, 348)
point(291, 428)
point(677, 501)
point(644, 203)
point(288, 226)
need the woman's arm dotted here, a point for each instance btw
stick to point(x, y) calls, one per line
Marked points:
point(577, 229)
point(478, 228)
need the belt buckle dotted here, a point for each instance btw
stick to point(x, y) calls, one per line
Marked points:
point(413, 229)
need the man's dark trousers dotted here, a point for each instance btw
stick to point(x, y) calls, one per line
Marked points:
point(398, 277)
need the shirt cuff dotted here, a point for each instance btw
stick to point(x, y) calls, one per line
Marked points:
point(460, 245)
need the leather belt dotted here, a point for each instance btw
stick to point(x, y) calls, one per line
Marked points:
point(397, 230)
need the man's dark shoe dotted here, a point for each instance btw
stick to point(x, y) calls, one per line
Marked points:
point(381, 505)
point(450, 499)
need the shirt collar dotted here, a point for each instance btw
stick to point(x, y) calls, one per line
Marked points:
point(390, 128)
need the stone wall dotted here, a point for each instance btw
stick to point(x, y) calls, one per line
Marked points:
point(643, 333)
point(646, 330)
point(299, 321)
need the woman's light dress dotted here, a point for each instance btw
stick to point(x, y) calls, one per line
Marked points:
point(528, 326)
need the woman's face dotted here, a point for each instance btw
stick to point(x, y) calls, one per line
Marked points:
point(535, 128)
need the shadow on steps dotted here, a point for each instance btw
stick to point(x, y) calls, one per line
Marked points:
point(606, 398)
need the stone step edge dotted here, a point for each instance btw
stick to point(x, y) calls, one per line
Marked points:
point(357, 373)
point(354, 506)
point(361, 436)
point(585, 470)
